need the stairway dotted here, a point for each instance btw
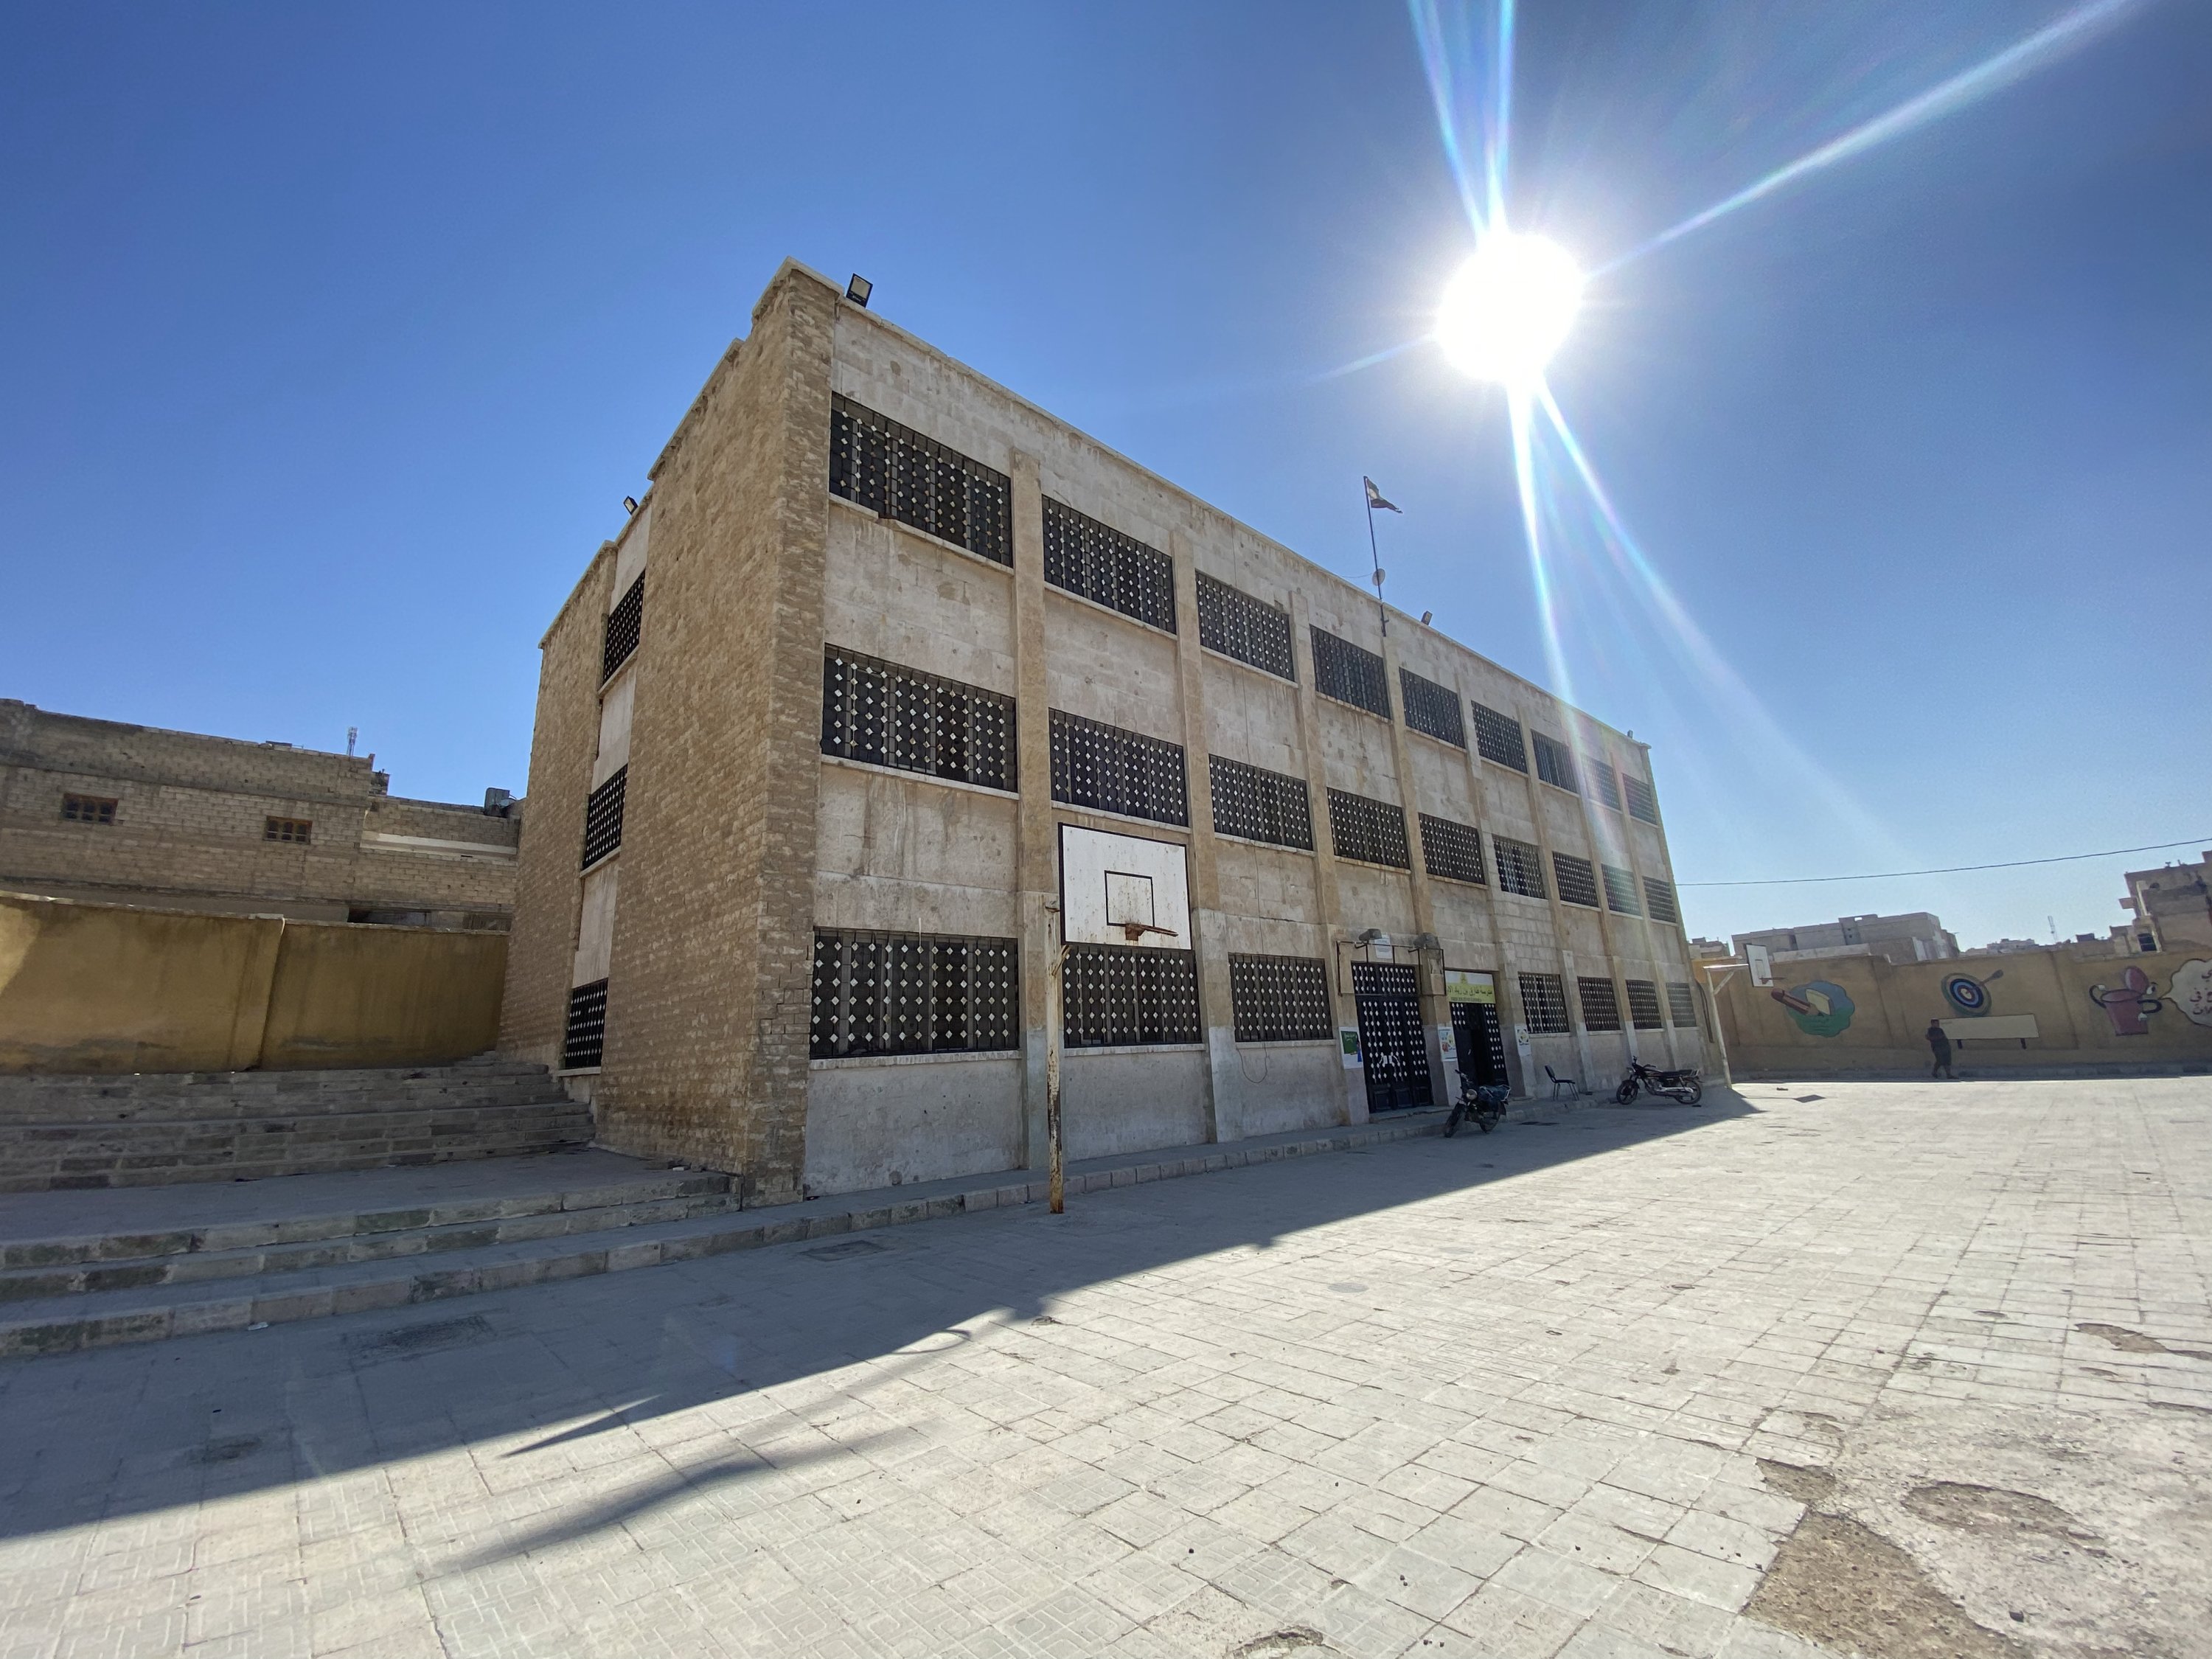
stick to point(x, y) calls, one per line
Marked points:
point(156, 1128)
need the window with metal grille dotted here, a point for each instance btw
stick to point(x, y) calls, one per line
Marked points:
point(1350, 673)
point(1577, 879)
point(1280, 998)
point(876, 711)
point(1644, 1006)
point(1432, 708)
point(602, 818)
point(1233, 623)
point(1497, 738)
point(584, 1042)
point(1259, 804)
point(1372, 832)
point(624, 624)
point(1098, 561)
point(1453, 851)
point(1554, 765)
point(1117, 995)
point(1103, 767)
point(1682, 1004)
point(918, 481)
point(1641, 803)
point(1544, 1004)
point(912, 993)
point(1607, 785)
point(1520, 867)
point(88, 809)
point(298, 831)
point(1601, 1007)
point(1659, 899)
point(1620, 891)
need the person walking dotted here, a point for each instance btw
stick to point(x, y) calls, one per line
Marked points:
point(1938, 1044)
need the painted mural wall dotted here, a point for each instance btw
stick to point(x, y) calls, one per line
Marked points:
point(1839, 1015)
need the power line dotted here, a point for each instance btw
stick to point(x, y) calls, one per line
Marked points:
point(1950, 870)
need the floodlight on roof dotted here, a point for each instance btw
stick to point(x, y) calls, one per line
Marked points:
point(858, 290)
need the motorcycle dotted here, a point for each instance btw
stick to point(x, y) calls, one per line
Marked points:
point(1685, 1086)
point(1483, 1102)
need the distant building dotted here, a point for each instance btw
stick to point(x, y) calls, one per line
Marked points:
point(1918, 937)
point(1709, 950)
point(2172, 906)
point(2006, 947)
point(136, 815)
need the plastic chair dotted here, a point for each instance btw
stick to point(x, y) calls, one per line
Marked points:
point(1562, 1085)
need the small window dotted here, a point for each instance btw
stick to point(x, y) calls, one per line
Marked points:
point(1432, 708)
point(602, 818)
point(1520, 867)
point(1620, 891)
point(1641, 803)
point(912, 993)
point(879, 712)
point(1350, 673)
point(1682, 1004)
point(1280, 998)
point(1259, 804)
point(1113, 770)
point(902, 474)
point(1498, 738)
point(1659, 899)
point(2146, 942)
point(91, 809)
point(1121, 995)
point(1544, 1004)
point(1453, 851)
point(584, 1041)
point(1644, 1006)
point(299, 831)
point(1233, 623)
point(624, 624)
point(1084, 557)
point(1371, 831)
point(1554, 765)
point(1577, 879)
point(1601, 1007)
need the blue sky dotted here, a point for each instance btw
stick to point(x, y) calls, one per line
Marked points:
point(333, 337)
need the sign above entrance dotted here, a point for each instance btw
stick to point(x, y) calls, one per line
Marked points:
point(1123, 890)
point(1465, 985)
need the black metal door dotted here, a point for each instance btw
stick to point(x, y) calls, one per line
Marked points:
point(1480, 1040)
point(1392, 1047)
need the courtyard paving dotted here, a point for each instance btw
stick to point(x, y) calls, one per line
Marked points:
point(1890, 1368)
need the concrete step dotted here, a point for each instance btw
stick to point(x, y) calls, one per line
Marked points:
point(241, 1095)
point(150, 1312)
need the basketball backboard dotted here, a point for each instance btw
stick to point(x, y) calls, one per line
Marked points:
point(1123, 890)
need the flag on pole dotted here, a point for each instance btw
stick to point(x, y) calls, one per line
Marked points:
point(1375, 498)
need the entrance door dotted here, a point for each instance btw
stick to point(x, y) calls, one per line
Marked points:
point(1480, 1040)
point(1392, 1044)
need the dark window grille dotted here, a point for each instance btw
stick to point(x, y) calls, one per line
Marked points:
point(1453, 851)
point(1644, 1006)
point(918, 481)
point(1554, 765)
point(1233, 623)
point(297, 831)
point(88, 809)
point(1350, 673)
point(1280, 998)
point(1372, 832)
point(1119, 995)
point(625, 623)
point(912, 993)
point(1498, 738)
point(1682, 1004)
point(1544, 1004)
point(1620, 891)
point(1105, 768)
point(1601, 1007)
point(1098, 561)
point(1520, 867)
point(1259, 804)
point(1659, 898)
point(584, 1040)
point(1641, 803)
point(1604, 780)
point(602, 818)
point(1577, 880)
point(1432, 708)
point(876, 711)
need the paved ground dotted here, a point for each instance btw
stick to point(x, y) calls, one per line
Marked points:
point(1907, 1369)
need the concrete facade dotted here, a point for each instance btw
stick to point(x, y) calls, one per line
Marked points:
point(1918, 937)
point(106, 811)
point(2172, 906)
point(739, 837)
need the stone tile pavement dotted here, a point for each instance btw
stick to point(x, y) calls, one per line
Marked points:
point(1885, 1367)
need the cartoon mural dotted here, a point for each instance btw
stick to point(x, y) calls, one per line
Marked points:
point(2128, 1004)
point(2192, 991)
point(1820, 1009)
point(1969, 995)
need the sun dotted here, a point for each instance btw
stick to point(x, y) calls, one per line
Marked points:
point(1508, 308)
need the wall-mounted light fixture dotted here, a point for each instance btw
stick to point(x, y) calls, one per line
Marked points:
point(630, 504)
point(858, 290)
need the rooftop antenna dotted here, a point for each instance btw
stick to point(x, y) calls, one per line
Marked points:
point(353, 737)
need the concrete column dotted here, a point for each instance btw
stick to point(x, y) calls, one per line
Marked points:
point(1503, 973)
point(1224, 1094)
point(1037, 851)
point(1326, 903)
point(1436, 1011)
point(1680, 933)
point(1584, 1063)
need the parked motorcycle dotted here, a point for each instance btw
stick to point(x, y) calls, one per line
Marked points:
point(1685, 1086)
point(1485, 1102)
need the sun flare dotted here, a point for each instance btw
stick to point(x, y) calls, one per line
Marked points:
point(1508, 308)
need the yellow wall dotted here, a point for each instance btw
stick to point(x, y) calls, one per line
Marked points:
point(1892, 1002)
point(105, 987)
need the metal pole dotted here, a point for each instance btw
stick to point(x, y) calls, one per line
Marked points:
point(1375, 557)
point(1058, 1157)
point(1720, 1029)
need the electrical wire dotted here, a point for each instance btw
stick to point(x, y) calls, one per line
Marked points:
point(1949, 870)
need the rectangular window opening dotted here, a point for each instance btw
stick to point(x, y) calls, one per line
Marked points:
point(1520, 867)
point(297, 831)
point(1371, 831)
point(1659, 900)
point(1233, 623)
point(1544, 1004)
point(1084, 556)
point(1620, 891)
point(1577, 879)
point(602, 818)
point(1497, 738)
point(896, 472)
point(1128, 996)
point(1682, 1004)
point(1350, 673)
point(1280, 998)
point(1453, 851)
point(1641, 803)
point(1259, 804)
point(1644, 1006)
point(1113, 770)
point(1600, 1007)
point(912, 993)
point(583, 1043)
point(89, 809)
point(1432, 708)
point(1554, 765)
point(624, 624)
point(879, 712)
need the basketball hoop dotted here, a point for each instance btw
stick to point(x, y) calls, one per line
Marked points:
point(1134, 932)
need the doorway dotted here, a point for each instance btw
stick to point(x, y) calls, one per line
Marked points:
point(1478, 1035)
point(1392, 1047)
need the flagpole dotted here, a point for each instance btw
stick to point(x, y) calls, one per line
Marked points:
point(1375, 556)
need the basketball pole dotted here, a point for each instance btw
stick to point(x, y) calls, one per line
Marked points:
point(1057, 1153)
